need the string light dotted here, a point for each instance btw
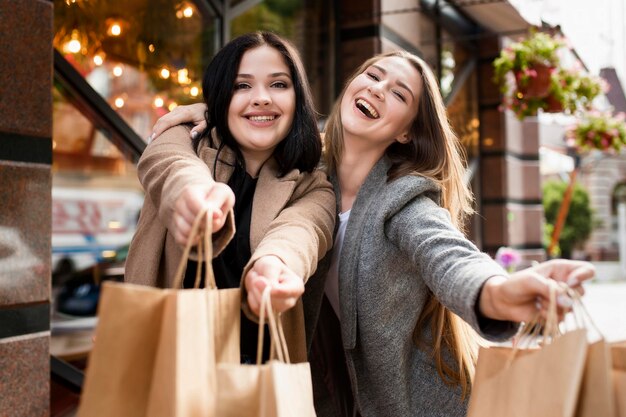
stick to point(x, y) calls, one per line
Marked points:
point(118, 71)
point(98, 59)
point(116, 30)
point(183, 76)
point(119, 102)
point(194, 91)
point(158, 102)
point(165, 73)
point(172, 106)
point(151, 48)
point(188, 12)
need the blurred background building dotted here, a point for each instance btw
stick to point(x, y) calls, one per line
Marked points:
point(83, 81)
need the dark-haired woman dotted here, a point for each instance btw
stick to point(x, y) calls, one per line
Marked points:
point(273, 212)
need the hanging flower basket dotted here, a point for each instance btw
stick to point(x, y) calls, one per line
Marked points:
point(534, 82)
point(598, 131)
point(531, 78)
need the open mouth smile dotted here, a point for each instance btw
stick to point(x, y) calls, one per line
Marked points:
point(268, 118)
point(367, 109)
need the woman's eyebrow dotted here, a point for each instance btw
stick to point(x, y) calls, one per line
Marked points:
point(272, 75)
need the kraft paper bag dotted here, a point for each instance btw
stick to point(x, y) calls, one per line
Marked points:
point(538, 382)
point(156, 349)
point(618, 356)
point(568, 377)
point(541, 382)
point(596, 395)
point(121, 363)
point(277, 388)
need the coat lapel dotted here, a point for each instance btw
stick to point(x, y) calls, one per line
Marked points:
point(270, 197)
point(348, 263)
point(225, 166)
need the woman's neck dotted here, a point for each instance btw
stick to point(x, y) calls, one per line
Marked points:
point(356, 163)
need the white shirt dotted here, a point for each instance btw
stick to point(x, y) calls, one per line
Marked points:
point(332, 280)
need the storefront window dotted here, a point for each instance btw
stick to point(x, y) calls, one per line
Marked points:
point(142, 57)
point(458, 86)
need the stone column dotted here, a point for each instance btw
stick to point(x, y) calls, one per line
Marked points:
point(510, 189)
point(25, 208)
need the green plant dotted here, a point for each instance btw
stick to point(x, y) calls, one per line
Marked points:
point(579, 221)
point(596, 130)
point(531, 77)
point(522, 57)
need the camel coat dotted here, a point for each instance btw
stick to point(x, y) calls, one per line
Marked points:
point(293, 217)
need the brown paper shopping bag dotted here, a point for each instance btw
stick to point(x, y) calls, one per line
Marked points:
point(540, 382)
point(275, 389)
point(618, 356)
point(156, 349)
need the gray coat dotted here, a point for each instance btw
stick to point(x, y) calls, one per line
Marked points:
point(399, 244)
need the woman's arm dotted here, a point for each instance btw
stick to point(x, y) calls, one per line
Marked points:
point(299, 237)
point(463, 278)
point(192, 113)
point(179, 183)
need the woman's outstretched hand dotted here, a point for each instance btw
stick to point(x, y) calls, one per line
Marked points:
point(192, 113)
point(194, 197)
point(527, 292)
point(286, 286)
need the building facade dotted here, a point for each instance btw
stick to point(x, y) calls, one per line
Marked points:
point(99, 74)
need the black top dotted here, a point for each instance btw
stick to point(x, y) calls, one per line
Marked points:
point(228, 265)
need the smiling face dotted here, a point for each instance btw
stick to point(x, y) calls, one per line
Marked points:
point(380, 104)
point(263, 103)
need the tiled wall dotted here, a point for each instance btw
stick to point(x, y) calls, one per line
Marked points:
point(25, 205)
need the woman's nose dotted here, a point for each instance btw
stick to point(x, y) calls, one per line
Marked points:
point(376, 90)
point(261, 98)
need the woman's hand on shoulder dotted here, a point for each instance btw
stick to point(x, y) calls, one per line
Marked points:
point(194, 197)
point(527, 292)
point(192, 113)
point(286, 286)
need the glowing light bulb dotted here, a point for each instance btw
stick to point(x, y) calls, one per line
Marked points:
point(98, 60)
point(172, 106)
point(119, 102)
point(188, 11)
point(158, 102)
point(116, 29)
point(74, 46)
point(151, 48)
point(183, 76)
point(194, 91)
point(117, 70)
point(165, 73)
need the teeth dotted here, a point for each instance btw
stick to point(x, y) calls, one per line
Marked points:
point(262, 118)
point(371, 110)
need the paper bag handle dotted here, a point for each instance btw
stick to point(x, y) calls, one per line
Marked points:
point(279, 343)
point(205, 249)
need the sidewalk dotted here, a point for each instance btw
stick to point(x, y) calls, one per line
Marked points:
point(606, 303)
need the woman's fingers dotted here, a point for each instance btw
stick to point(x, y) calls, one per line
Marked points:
point(193, 113)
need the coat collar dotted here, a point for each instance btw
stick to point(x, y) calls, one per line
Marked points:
point(348, 264)
point(271, 195)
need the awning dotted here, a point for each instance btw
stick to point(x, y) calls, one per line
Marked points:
point(498, 16)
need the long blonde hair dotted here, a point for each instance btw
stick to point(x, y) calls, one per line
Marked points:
point(434, 152)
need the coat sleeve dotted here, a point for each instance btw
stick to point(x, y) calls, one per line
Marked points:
point(302, 233)
point(452, 267)
point(168, 164)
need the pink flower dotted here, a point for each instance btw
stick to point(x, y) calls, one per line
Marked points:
point(508, 258)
